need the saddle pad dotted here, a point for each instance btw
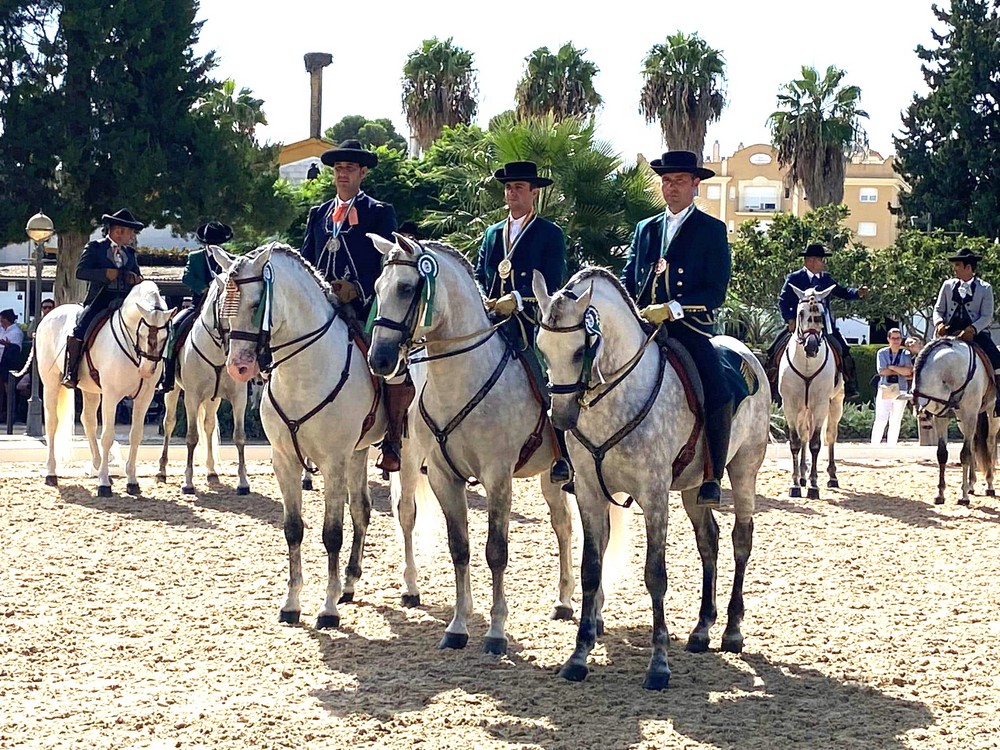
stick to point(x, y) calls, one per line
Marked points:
point(739, 376)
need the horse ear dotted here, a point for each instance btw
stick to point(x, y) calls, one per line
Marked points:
point(583, 301)
point(406, 244)
point(541, 291)
point(381, 243)
point(798, 292)
point(820, 296)
point(224, 259)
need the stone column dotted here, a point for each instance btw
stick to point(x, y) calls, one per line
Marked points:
point(315, 62)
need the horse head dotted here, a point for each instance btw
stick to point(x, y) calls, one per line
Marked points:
point(147, 317)
point(810, 318)
point(948, 377)
point(249, 311)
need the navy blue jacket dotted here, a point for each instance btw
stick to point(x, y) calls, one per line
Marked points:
point(699, 265)
point(788, 301)
point(94, 262)
point(541, 247)
point(362, 263)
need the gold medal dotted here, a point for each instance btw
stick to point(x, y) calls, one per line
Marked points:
point(505, 268)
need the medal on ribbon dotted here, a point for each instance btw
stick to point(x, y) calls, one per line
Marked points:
point(505, 268)
point(661, 266)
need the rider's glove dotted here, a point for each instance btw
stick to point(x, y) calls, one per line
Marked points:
point(346, 291)
point(657, 314)
point(941, 329)
point(968, 333)
point(790, 325)
point(507, 305)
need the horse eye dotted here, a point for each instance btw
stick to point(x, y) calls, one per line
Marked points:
point(404, 287)
point(578, 355)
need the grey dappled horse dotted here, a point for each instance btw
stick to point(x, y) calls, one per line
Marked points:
point(126, 354)
point(320, 402)
point(811, 394)
point(629, 422)
point(471, 419)
point(951, 380)
point(201, 374)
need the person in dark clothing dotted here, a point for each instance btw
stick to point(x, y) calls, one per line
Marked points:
point(111, 268)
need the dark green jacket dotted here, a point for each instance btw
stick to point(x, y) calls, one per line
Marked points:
point(198, 272)
point(542, 247)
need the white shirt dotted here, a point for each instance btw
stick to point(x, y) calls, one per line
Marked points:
point(117, 254)
point(674, 222)
point(14, 335)
point(515, 226)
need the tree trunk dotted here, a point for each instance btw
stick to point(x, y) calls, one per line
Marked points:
point(67, 287)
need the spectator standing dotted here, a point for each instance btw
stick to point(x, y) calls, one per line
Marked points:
point(895, 368)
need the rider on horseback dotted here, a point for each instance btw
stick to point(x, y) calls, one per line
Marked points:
point(511, 251)
point(678, 272)
point(112, 270)
point(813, 275)
point(337, 244)
point(964, 309)
point(198, 273)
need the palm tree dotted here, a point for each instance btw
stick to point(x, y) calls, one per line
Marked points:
point(683, 90)
point(815, 129)
point(561, 84)
point(239, 111)
point(439, 89)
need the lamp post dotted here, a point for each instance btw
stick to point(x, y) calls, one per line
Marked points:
point(39, 230)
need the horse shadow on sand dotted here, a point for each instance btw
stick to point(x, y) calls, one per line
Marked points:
point(746, 701)
point(140, 507)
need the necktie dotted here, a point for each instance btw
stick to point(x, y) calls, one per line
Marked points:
point(339, 213)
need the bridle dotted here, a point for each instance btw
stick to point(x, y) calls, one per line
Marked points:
point(135, 352)
point(952, 402)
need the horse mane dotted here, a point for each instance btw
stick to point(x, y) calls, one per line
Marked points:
point(599, 272)
point(287, 250)
point(454, 253)
point(924, 353)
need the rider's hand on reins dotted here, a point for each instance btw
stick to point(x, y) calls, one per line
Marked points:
point(345, 290)
point(111, 274)
point(506, 305)
point(657, 314)
point(790, 325)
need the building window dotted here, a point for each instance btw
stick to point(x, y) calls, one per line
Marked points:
point(759, 198)
point(867, 229)
point(714, 192)
point(869, 195)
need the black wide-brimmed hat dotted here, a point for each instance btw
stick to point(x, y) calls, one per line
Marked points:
point(9, 314)
point(122, 218)
point(965, 255)
point(410, 228)
point(521, 171)
point(816, 250)
point(350, 151)
point(680, 161)
point(214, 233)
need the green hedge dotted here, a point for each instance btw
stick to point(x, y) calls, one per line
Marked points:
point(856, 424)
point(864, 360)
point(252, 425)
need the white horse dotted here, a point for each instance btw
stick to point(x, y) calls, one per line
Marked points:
point(810, 392)
point(951, 380)
point(123, 360)
point(635, 431)
point(201, 375)
point(477, 416)
point(320, 403)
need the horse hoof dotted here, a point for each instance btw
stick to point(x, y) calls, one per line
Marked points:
point(326, 622)
point(656, 680)
point(52, 480)
point(991, 493)
point(187, 490)
point(104, 491)
point(242, 490)
point(495, 646)
point(794, 492)
point(812, 493)
point(574, 672)
point(833, 483)
point(346, 598)
point(161, 478)
point(562, 612)
point(964, 501)
point(939, 501)
point(454, 640)
point(292, 618)
point(732, 642)
point(133, 489)
point(411, 600)
point(307, 484)
point(697, 643)
point(212, 478)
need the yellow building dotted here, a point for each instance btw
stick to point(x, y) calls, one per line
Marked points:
point(749, 185)
point(295, 159)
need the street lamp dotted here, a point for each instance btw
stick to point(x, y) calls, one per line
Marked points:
point(39, 230)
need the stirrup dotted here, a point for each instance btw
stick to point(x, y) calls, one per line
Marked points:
point(561, 471)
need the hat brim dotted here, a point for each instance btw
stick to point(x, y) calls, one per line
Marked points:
point(113, 221)
point(214, 235)
point(964, 258)
point(826, 254)
point(700, 172)
point(351, 155)
point(540, 182)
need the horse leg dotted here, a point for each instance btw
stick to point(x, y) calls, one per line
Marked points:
point(990, 455)
point(968, 458)
point(333, 540)
point(169, 422)
point(941, 428)
point(192, 405)
point(706, 534)
point(562, 524)
point(108, 407)
point(210, 413)
point(140, 405)
point(238, 399)
point(361, 510)
point(406, 514)
point(51, 399)
point(743, 476)
point(658, 672)
point(832, 429)
point(794, 446)
point(814, 447)
point(286, 471)
point(498, 494)
point(451, 494)
point(88, 417)
point(596, 531)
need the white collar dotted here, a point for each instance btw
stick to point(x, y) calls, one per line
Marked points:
point(672, 217)
point(517, 222)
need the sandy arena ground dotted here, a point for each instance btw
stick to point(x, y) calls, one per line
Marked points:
point(873, 618)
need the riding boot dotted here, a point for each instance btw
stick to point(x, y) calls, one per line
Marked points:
point(398, 397)
point(850, 375)
point(561, 471)
point(169, 375)
point(74, 348)
point(717, 428)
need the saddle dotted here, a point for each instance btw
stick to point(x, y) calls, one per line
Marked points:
point(781, 344)
point(88, 339)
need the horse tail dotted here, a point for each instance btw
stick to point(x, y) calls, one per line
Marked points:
point(981, 445)
point(428, 510)
point(65, 416)
point(619, 547)
point(201, 453)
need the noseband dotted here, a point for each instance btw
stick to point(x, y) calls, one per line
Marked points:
point(134, 352)
point(408, 325)
point(952, 402)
